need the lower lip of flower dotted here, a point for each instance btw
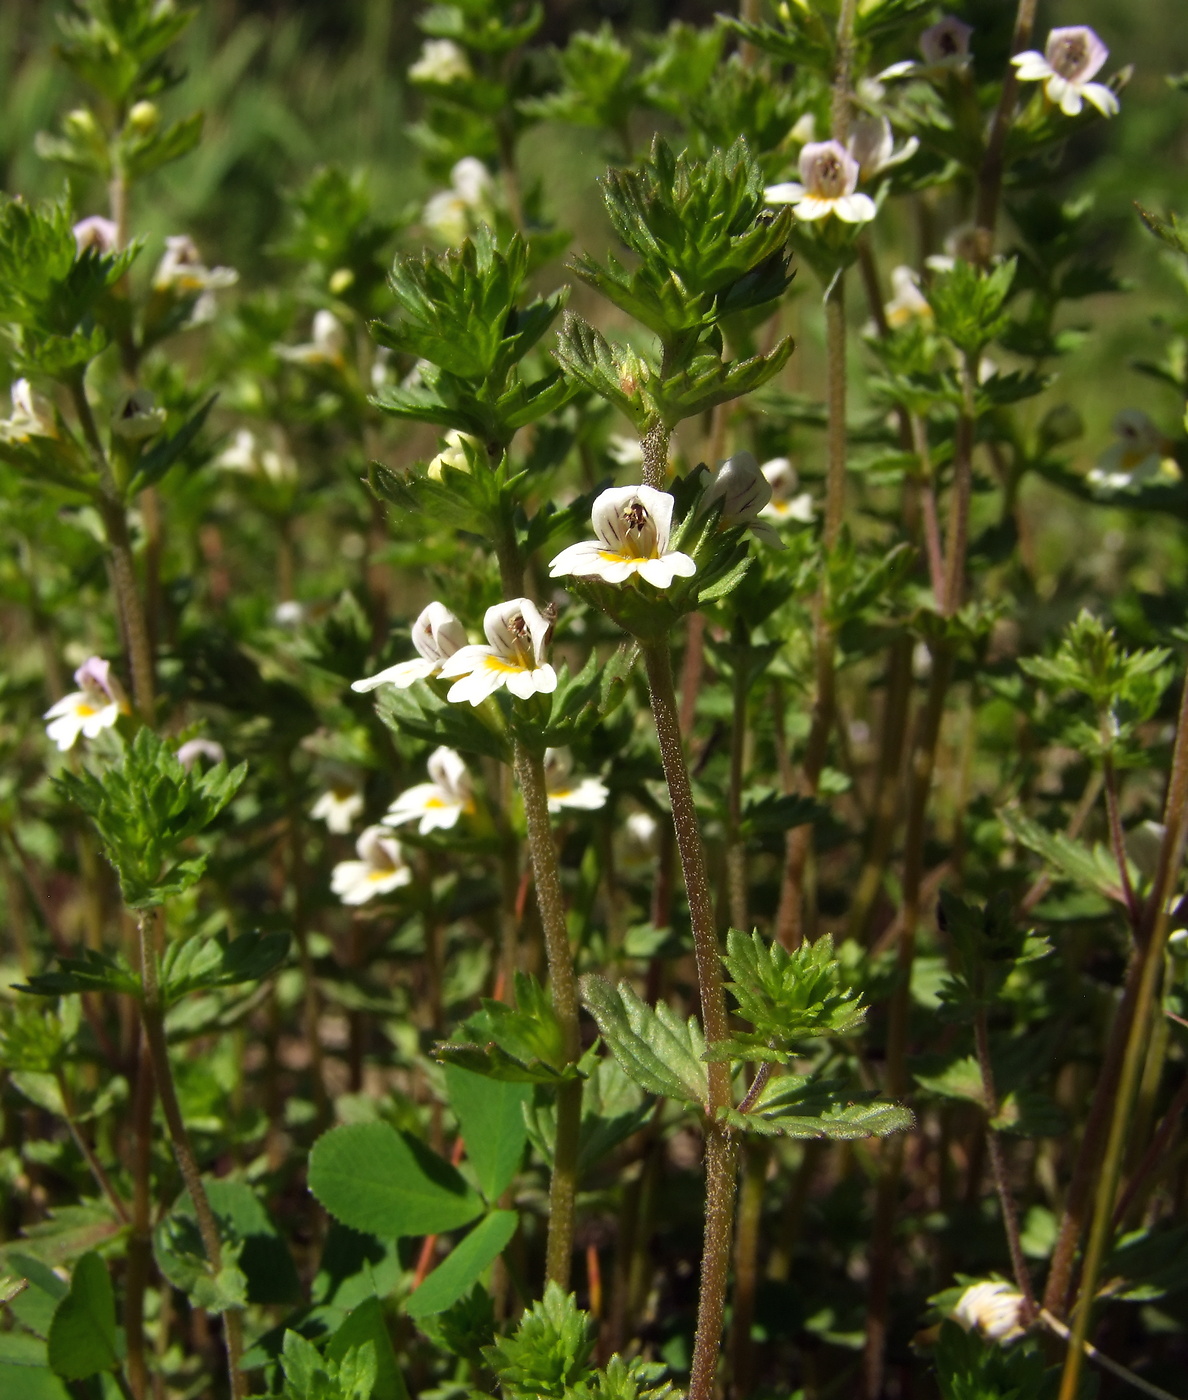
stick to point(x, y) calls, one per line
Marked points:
point(85, 711)
point(504, 667)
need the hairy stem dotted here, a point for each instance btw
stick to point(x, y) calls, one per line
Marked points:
point(746, 1268)
point(152, 1014)
point(736, 855)
point(563, 985)
point(140, 1237)
point(655, 456)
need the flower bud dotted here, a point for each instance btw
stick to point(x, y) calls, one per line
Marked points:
point(143, 118)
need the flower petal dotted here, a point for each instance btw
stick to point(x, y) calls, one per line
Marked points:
point(786, 193)
point(402, 675)
point(1102, 98)
point(855, 208)
point(1032, 67)
point(661, 572)
point(578, 561)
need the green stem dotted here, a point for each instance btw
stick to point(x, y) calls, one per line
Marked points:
point(563, 986)
point(736, 854)
point(152, 1013)
point(140, 1237)
point(746, 1267)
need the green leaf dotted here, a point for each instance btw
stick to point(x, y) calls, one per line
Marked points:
point(655, 1048)
point(462, 1266)
point(310, 1376)
point(82, 1336)
point(547, 1357)
point(1090, 868)
point(21, 1381)
point(365, 1325)
point(523, 1044)
point(201, 964)
point(799, 1106)
point(91, 972)
point(384, 1183)
point(491, 1116)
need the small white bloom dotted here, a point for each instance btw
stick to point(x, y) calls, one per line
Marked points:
point(908, 302)
point(275, 464)
point(828, 179)
point(564, 790)
point(872, 144)
point(136, 417)
point(193, 749)
point(442, 62)
point(453, 213)
point(453, 454)
point(946, 43)
point(338, 807)
point(290, 613)
point(96, 705)
point(642, 828)
point(633, 525)
point(787, 502)
point(380, 868)
point(437, 635)
point(31, 416)
point(1070, 59)
point(518, 634)
point(804, 129)
point(993, 1309)
point(745, 493)
point(1139, 456)
point(181, 270)
point(95, 232)
point(439, 803)
point(327, 346)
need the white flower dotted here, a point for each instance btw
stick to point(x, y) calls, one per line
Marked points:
point(828, 179)
point(518, 633)
point(786, 502)
point(946, 43)
point(908, 302)
point(379, 869)
point(452, 213)
point(642, 828)
point(872, 144)
point(441, 61)
point(582, 794)
point(993, 1309)
point(290, 613)
point(193, 749)
point(326, 347)
point(626, 451)
point(439, 803)
point(633, 525)
point(136, 417)
point(453, 454)
point(745, 493)
point(181, 269)
point(437, 635)
point(1140, 456)
point(338, 807)
point(804, 129)
point(1070, 58)
point(245, 454)
point(96, 705)
point(95, 232)
point(31, 416)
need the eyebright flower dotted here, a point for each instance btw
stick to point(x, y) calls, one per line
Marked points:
point(909, 302)
point(1070, 58)
point(338, 807)
point(946, 41)
point(95, 232)
point(1141, 454)
point(437, 635)
point(437, 804)
point(31, 416)
point(828, 179)
point(872, 144)
point(181, 269)
point(274, 464)
point(326, 347)
point(452, 454)
point(96, 705)
point(441, 61)
point(136, 417)
point(787, 502)
point(193, 749)
point(744, 492)
point(633, 525)
point(452, 213)
point(518, 634)
point(581, 794)
point(380, 868)
point(993, 1309)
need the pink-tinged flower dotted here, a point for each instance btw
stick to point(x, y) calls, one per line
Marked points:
point(744, 493)
point(828, 180)
point(193, 749)
point(327, 347)
point(338, 807)
point(908, 302)
point(788, 502)
point(31, 416)
point(437, 635)
point(946, 41)
point(95, 706)
point(437, 804)
point(634, 526)
point(993, 1309)
point(95, 232)
point(872, 144)
point(1070, 59)
point(564, 790)
point(380, 868)
point(518, 636)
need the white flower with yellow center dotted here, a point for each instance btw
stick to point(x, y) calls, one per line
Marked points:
point(788, 503)
point(518, 637)
point(31, 416)
point(95, 706)
point(327, 347)
point(1140, 456)
point(993, 1309)
point(1070, 59)
point(181, 269)
point(379, 870)
point(441, 61)
point(908, 302)
point(564, 790)
point(437, 635)
point(437, 804)
point(633, 525)
point(745, 494)
point(338, 807)
point(828, 180)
